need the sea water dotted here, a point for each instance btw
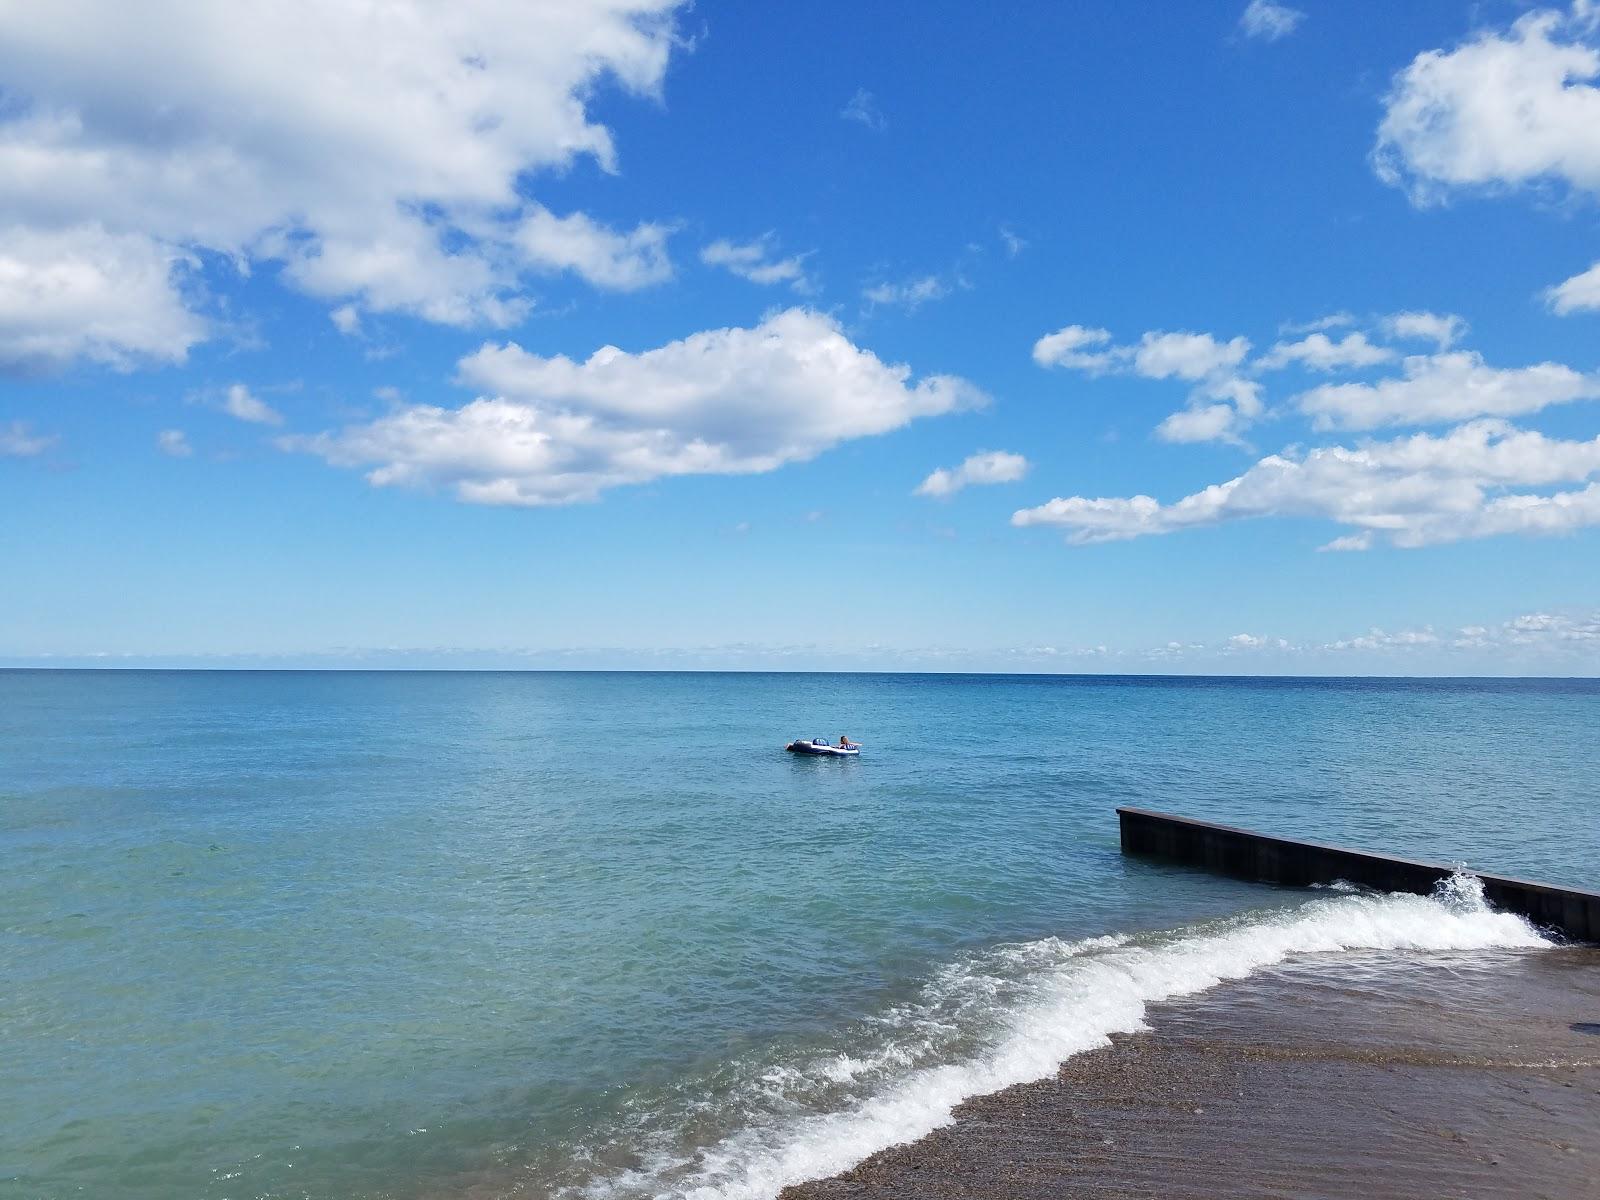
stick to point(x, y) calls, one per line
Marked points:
point(340, 935)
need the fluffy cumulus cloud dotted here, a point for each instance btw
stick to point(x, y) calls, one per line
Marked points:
point(1076, 346)
point(1412, 491)
point(1503, 109)
point(758, 261)
point(1319, 352)
point(985, 467)
point(1190, 356)
point(1157, 355)
point(1221, 403)
point(1268, 20)
point(550, 430)
point(376, 151)
point(1226, 393)
point(623, 262)
point(1581, 293)
point(1219, 409)
point(1442, 329)
point(1435, 388)
point(81, 292)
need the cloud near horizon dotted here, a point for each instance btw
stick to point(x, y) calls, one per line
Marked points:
point(549, 430)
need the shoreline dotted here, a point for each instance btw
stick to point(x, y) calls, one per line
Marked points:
point(1372, 1075)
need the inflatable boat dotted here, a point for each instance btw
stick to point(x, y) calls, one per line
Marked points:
point(818, 746)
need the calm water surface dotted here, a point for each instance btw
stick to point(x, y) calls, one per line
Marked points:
point(343, 935)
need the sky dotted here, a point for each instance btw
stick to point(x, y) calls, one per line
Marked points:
point(1126, 337)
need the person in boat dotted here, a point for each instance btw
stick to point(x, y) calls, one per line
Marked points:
point(844, 742)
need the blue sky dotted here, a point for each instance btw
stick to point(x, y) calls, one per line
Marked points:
point(923, 325)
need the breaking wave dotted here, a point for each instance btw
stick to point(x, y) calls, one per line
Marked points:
point(1008, 1016)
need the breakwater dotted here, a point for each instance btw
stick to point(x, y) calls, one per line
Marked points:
point(1244, 854)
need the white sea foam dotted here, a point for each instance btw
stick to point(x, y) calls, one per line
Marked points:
point(1007, 1017)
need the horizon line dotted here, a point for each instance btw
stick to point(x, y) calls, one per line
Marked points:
point(89, 668)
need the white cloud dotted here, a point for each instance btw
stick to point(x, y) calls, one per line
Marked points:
point(725, 401)
point(1442, 329)
point(1201, 423)
point(84, 293)
point(985, 467)
point(1338, 320)
point(1581, 293)
point(346, 319)
point(1319, 352)
point(1445, 387)
point(1221, 405)
point(377, 152)
point(238, 401)
point(1564, 626)
point(1500, 110)
point(1158, 355)
point(174, 442)
point(1075, 346)
point(1268, 20)
point(1412, 491)
point(1350, 542)
point(622, 262)
point(863, 109)
point(17, 440)
point(757, 262)
point(1014, 245)
point(1190, 356)
point(1540, 632)
point(911, 294)
point(1252, 641)
point(1568, 640)
point(1381, 640)
point(1220, 409)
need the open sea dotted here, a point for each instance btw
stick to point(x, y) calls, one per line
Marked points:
point(330, 935)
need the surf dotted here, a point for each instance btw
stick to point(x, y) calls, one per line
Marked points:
point(1007, 1016)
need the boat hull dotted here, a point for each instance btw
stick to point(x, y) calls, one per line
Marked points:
point(813, 748)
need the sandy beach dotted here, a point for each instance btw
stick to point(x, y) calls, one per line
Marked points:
point(1384, 1075)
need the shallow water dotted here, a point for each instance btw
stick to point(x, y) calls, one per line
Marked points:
point(1365, 1075)
point(355, 935)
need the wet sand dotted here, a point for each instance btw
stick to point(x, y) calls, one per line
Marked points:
point(1376, 1076)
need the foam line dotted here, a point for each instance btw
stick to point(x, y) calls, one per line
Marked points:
point(1008, 1017)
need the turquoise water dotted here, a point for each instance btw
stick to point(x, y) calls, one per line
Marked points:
point(343, 935)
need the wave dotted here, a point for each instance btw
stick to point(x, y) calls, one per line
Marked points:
point(1008, 1016)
